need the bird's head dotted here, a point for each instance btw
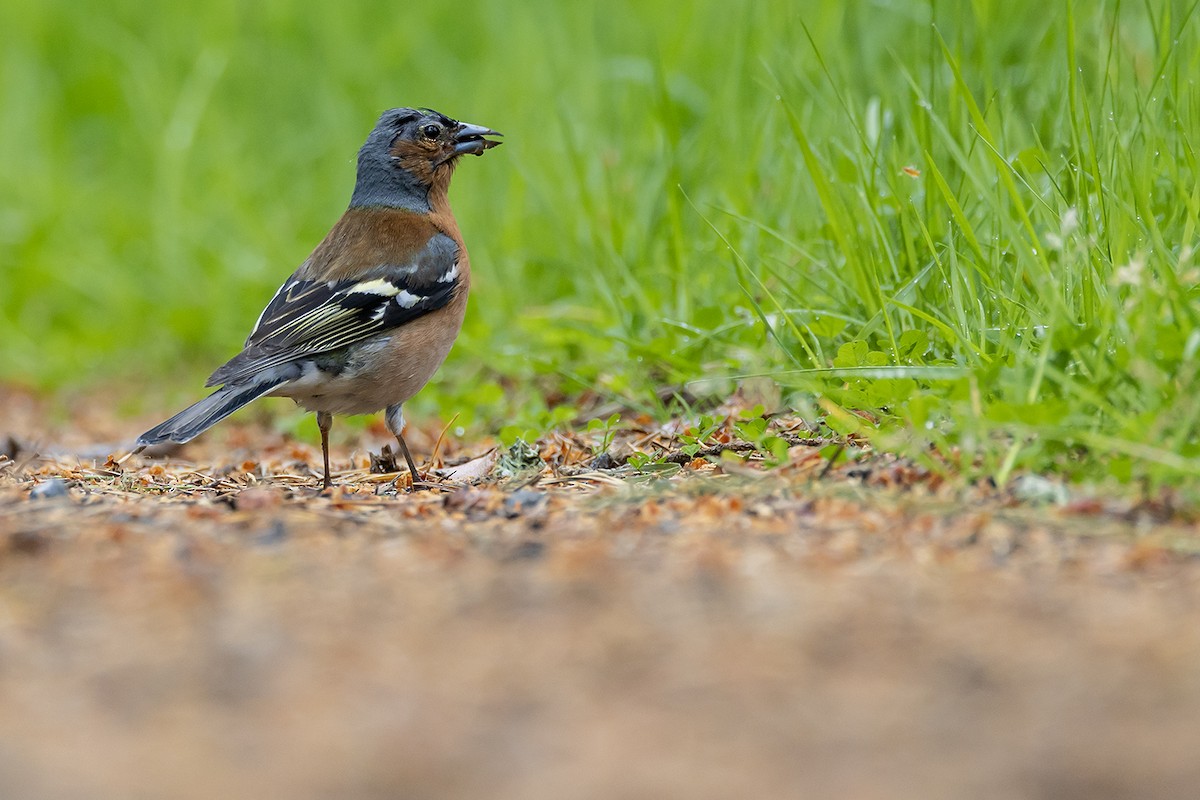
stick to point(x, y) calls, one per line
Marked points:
point(413, 150)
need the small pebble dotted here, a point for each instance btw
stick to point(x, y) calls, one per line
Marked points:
point(275, 533)
point(54, 487)
point(1035, 489)
point(604, 461)
point(523, 501)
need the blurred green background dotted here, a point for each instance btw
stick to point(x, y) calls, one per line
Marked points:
point(974, 220)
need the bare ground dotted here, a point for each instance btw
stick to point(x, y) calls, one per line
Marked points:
point(213, 626)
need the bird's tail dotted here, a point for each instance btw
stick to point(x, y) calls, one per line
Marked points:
point(199, 417)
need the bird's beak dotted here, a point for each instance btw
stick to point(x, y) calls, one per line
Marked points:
point(469, 139)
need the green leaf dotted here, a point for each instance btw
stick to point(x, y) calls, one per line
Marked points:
point(913, 345)
point(852, 354)
point(751, 430)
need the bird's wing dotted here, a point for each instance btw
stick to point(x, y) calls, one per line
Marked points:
point(307, 317)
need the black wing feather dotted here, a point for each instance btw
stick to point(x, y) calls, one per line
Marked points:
point(307, 317)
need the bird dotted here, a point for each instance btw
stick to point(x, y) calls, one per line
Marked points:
point(368, 318)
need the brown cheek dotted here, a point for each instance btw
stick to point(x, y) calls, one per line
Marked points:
point(416, 159)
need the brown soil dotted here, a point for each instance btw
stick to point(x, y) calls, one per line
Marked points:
point(216, 627)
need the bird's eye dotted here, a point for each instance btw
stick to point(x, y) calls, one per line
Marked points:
point(431, 131)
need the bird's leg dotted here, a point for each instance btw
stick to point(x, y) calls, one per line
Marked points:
point(412, 466)
point(395, 423)
point(324, 423)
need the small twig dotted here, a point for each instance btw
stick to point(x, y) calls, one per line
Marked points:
point(681, 457)
point(841, 447)
point(437, 446)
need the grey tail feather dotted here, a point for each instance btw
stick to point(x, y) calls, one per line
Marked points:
point(199, 417)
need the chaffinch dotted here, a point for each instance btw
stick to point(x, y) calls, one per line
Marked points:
point(370, 315)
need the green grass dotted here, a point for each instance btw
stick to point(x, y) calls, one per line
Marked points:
point(976, 221)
